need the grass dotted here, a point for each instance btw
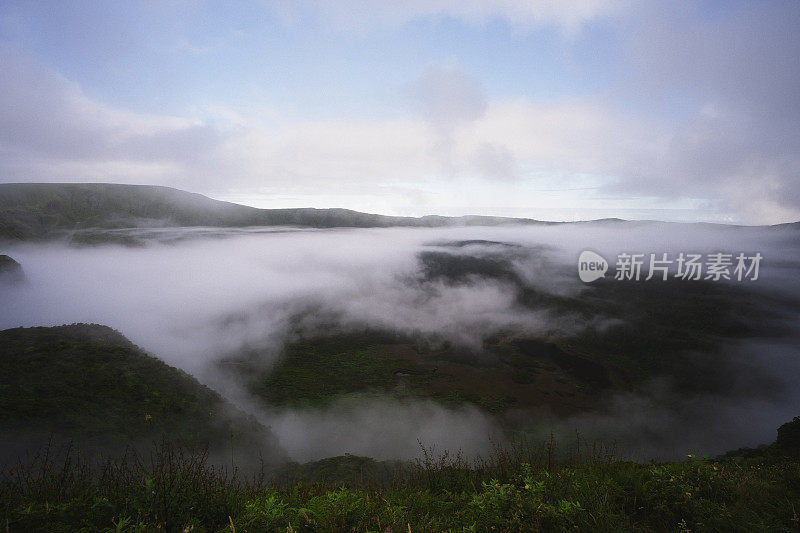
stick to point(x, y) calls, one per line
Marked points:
point(526, 489)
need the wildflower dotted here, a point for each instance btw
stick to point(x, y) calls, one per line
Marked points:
point(527, 487)
point(148, 417)
point(689, 455)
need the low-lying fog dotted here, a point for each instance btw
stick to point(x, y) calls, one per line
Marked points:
point(192, 301)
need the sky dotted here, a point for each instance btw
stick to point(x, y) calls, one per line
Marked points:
point(548, 109)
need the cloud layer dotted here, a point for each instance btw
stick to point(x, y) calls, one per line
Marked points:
point(699, 110)
point(199, 300)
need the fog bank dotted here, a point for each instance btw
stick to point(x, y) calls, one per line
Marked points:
point(194, 301)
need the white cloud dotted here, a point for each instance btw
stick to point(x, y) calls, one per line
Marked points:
point(364, 15)
point(50, 130)
point(572, 135)
point(736, 138)
point(447, 98)
point(199, 300)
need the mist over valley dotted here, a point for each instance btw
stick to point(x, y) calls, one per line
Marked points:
point(313, 266)
point(372, 341)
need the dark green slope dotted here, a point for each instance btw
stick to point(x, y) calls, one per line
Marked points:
point(10, 271)
point(88, 383)
point(37, 210)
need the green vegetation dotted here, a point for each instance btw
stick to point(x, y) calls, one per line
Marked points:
point(674, 328)
point(317, 371)
point(528, 490)
point(651, 337)
point(346, 470)
point(89, 383)
point(300, 377)
point(30, 211)
point(637, 330)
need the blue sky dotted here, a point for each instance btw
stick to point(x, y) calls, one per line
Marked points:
point(545, 109)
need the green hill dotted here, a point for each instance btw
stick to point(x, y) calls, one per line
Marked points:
point(40, 210)
point(10, 271)
point(88, 383)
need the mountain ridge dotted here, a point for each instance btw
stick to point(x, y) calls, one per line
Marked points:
point(38, 210)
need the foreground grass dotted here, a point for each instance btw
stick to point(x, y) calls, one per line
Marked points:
point(175, 491)
point(695, 495)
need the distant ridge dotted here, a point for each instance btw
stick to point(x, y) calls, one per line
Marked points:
point(32, 211)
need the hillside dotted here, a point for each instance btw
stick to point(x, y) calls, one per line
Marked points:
point(10, 271)
point(30, 211)
point(88, 383)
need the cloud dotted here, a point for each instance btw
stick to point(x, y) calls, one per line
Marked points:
point(446, 99)
point(572, 135)
point(446, 96)
point(495, 162)
point(326, 153)
point(198, 300)
point(385, 429)
point(51, 130)
point(459, 135)
point(731, 143)
point(736, 139)
point(362, 16)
